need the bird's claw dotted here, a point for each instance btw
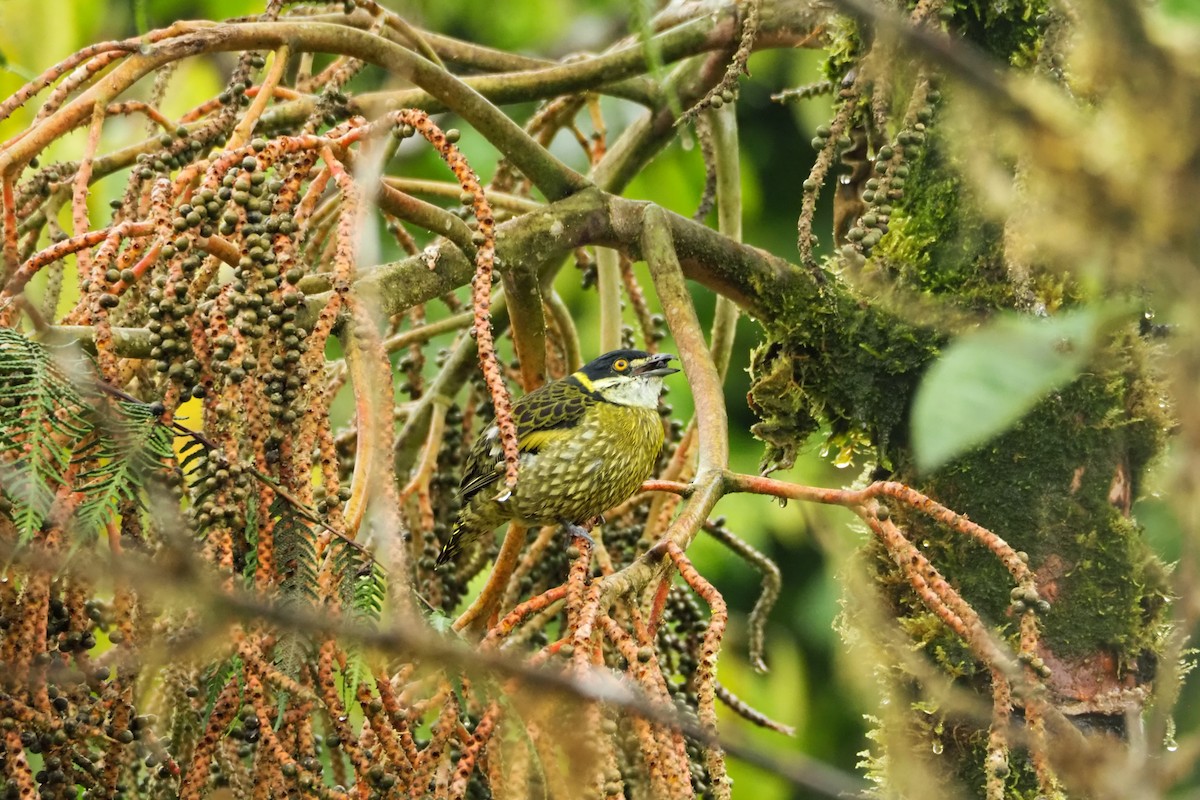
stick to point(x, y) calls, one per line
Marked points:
point(580, 532)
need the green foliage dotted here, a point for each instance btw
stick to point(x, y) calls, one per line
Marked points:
point(440, 621)
point(296, 561)
point(131, 445)
point(986, 380)
point(217, 677)
point(1182, 10)
point(55, 435)
point(251, 532)
point(295, 554)
point(356, 672)
point(857, 384)
point(363, 588)
point(363, 583)
point(39, 411)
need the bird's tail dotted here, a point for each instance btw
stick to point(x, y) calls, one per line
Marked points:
point(453, 546)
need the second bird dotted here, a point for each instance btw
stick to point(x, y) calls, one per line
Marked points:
point(587, 442)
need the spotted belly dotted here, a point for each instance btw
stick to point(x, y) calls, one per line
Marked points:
point(578, 477)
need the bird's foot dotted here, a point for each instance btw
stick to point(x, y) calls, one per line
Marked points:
point(579, 532)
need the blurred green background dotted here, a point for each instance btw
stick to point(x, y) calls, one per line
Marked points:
point(813, 684)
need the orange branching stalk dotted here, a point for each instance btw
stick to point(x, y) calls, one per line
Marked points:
point(996, 765)
point(196, 775)
point(479, 740)
point(481, 285)
point(18, 770)
point(229, 299)
point(706, 673)
point(523, 611)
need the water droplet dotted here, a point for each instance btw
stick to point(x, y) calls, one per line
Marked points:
point(937, 747)
point(844, 458)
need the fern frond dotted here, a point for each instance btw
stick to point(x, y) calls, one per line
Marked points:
point(292, 653)
point(295, 555)
point(362, 584)
point(131, 445)
point(356, 671)
point(370, 591)
point(217, 677)
point(251, 532)
point(42, 416)
point(194, 454)
point(296, 562)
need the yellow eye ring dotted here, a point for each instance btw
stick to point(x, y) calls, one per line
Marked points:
point(620, 365)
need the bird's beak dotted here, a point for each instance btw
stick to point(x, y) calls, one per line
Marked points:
point(656, 366)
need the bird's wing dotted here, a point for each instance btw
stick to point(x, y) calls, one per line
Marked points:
point(541, 416)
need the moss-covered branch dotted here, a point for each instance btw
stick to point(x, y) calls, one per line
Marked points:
point(764, 285)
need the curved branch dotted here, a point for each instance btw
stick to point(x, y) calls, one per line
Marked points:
point(550, 175)
point(763, 285)
point(613, 72)
point(659, 251)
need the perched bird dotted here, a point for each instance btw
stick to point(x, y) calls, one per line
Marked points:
point(587, 442)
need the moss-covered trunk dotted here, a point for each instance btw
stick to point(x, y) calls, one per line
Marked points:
point(1057, 486)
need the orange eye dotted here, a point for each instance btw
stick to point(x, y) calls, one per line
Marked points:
point(620, 365)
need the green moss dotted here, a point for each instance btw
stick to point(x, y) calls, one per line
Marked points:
point(843, 364)
point(844, 49)
point(1021, 783)
point(938, 240)
point(1055, 485)
point(1008, 30)
point(1045, 488)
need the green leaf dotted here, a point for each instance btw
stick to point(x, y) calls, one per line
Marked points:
point(291, 653)
point(988, 379)
point(251, 534)
point(355, 672)
point(362, 584)
point(1181, 10)
point(440, 622)
point(216, 677)
point(130, 445)
point(42, 416)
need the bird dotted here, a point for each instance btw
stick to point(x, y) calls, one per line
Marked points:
point(586, 442)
